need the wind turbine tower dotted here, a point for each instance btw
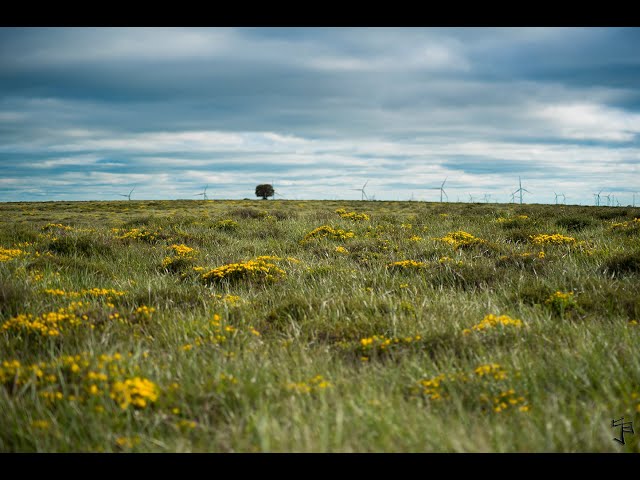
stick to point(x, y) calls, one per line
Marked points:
point(442, 190)
point(597, 197)
point(520, 189)
point(129, 195)
point(364, 195)
point(203, 193)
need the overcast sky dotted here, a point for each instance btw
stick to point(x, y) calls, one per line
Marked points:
point(89, 113)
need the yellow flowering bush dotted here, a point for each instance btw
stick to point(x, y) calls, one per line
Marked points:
point(258, 269)
point(136, 391)
point(80, 377)
point(329, 232)
point(109, 293)
point(141, 234)
point(488, 378)
point(49, 324)
point(405, 265)
point(460, 239)
point(561, 302)
point(143, 313)
point(377, 344)
point(491, 370)
point(182, 250)
point(7, 254)
point(352, 215)
point(182, 259)
point(630, 226)
point(492, 321)
point(56, 226)
point(313, 385)
point(505, 400)
point(450, 261)
point(231, 300)
point(431, 387)
point(554, 239)
point(227, 224)
point(512, 222)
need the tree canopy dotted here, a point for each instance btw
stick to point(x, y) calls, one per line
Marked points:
point(265, 190)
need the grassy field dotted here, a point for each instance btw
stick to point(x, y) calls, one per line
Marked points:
point(324, 326)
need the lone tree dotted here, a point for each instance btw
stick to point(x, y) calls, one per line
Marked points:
point(264, 191)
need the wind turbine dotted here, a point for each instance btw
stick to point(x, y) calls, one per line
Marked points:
point(513, 197)
point(634, 198)
point(486, 197)
point(559, 195)
point(597, 195)
point(127, 196)
point(442, 190)
point(608, 197)
point(364, 195)
point(520, 189)
point(614, 201)
point(203, 193)
point(470, 198)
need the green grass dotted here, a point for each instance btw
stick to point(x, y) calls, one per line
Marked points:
point(234, 362)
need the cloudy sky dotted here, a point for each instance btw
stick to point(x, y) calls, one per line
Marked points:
point(89, 113)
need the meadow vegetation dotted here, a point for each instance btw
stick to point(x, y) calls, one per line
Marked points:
point(324, 326)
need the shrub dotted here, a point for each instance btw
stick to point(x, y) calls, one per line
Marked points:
point(574, 224)
point(622, 264)
point(227, 225)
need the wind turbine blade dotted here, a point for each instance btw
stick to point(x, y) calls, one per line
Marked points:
point(365, 184)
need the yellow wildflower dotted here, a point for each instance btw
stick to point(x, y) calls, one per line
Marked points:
point(134, 391)
point(41, 424)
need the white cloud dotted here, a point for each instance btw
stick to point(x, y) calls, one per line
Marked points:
point(430, 56)
point(589, 121)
